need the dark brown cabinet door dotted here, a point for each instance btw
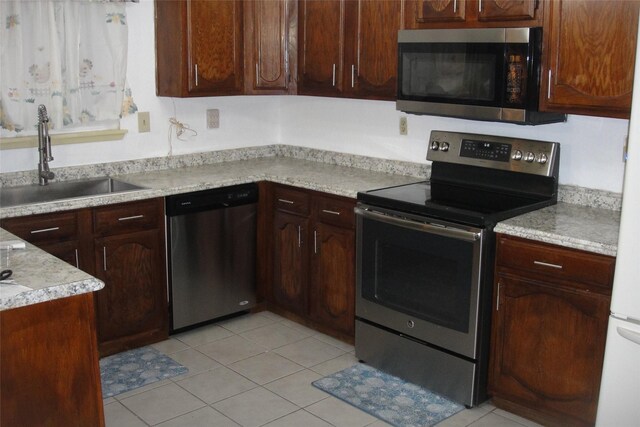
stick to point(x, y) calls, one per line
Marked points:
point(199, 47)
point(549, 326)
point(270, 35)
point(321, 42)
point(372, 53)
point(215, 46)
point(332, 291)
point(548, 347)
point(473, 13)
point(590, 58)
point(440, 11)
point(132, 307)
point(505, 10)
point(291, 260)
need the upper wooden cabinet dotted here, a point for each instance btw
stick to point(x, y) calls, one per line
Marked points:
point(199, 48)
point(270, 41)
point(590, 56)
point(321, 42)
point(472, 13)
point(372, 53)
point(349, 48)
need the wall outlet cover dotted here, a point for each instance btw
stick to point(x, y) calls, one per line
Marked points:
point(144, 125)
point(213, 118)
point(404, 128)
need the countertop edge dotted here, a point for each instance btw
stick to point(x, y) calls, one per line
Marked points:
point(557, 239)
point(50, 293)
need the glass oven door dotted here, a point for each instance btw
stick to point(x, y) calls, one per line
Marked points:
point(419, 277)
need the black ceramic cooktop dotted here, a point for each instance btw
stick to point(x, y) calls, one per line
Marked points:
point(453, 202)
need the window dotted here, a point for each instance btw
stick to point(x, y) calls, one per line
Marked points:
point(69, 55)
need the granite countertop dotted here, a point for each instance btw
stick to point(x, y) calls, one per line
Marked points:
point(569, 225)
point(49, 278)
point(43, 276)
point(328, 178)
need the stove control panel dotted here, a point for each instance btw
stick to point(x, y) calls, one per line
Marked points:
point(496, 152)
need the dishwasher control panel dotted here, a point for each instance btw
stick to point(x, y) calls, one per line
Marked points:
point(215, 198)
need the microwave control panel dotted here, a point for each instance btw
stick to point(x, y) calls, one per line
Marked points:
point(496, 152)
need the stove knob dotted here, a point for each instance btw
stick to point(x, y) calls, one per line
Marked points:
point(517, 155)
point(529, 157)
point(542, 159)
point(435, 145)
point(444, 146)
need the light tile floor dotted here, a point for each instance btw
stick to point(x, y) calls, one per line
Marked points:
point(256, 370)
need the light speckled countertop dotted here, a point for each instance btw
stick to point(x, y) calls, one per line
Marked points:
point(47, 277)
point(574, 226)
point(329, 178)
point(567, 224)
point(51, 278)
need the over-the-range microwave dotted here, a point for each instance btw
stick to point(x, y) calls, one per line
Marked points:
point(481, 74)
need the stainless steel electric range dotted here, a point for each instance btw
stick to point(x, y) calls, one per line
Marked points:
point(425, 258)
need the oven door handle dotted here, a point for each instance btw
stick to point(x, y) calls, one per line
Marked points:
point(468, 236)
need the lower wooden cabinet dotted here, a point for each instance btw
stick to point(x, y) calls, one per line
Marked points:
point(549, 331)
point(314, 258)
point(122, 245)
point(49, 365)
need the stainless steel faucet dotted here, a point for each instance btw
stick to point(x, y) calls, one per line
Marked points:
point(44, 147)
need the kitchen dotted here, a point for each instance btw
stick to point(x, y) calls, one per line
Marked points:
point(591, 146)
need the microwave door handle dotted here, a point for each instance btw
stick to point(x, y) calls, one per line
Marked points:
point(454, 233)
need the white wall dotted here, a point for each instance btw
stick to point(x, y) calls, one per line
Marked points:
point(591, 147)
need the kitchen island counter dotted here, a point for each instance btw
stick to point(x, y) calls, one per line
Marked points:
point(44, 277)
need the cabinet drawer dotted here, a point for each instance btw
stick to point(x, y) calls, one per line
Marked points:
point(127, 217)
point(335, 211)
point(44, 228)
point(561, 263)
point(291, 200)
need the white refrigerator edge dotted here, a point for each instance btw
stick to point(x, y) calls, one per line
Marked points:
point(619, 401)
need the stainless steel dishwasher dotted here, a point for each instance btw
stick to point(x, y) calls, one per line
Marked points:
point(211, 253)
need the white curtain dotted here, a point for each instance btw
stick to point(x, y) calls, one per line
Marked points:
point(70, 55)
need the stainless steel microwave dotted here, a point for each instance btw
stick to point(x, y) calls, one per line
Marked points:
point(481, 74)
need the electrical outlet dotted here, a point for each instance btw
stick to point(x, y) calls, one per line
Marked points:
point(213, 118)
point(403, 126)
point(144, 125)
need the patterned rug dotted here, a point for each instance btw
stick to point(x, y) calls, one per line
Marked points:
point(389, 398)
point(135, 368)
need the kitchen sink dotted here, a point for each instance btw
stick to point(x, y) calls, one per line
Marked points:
point(54, 191)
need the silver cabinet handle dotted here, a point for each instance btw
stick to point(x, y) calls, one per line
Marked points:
point(257, 75)
point(549, 86)
point(498, 297)
point(480, 6)
point(334, 75)
point(331, 212)
point(546, 264)
point(45, 230)
point(353, 75)
point(315, 241)
point(196, 74)
point(455, 6)
point(299, 236)
point(77, 260)
point(127, 218)
point(104, 258)
point(289, 202)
